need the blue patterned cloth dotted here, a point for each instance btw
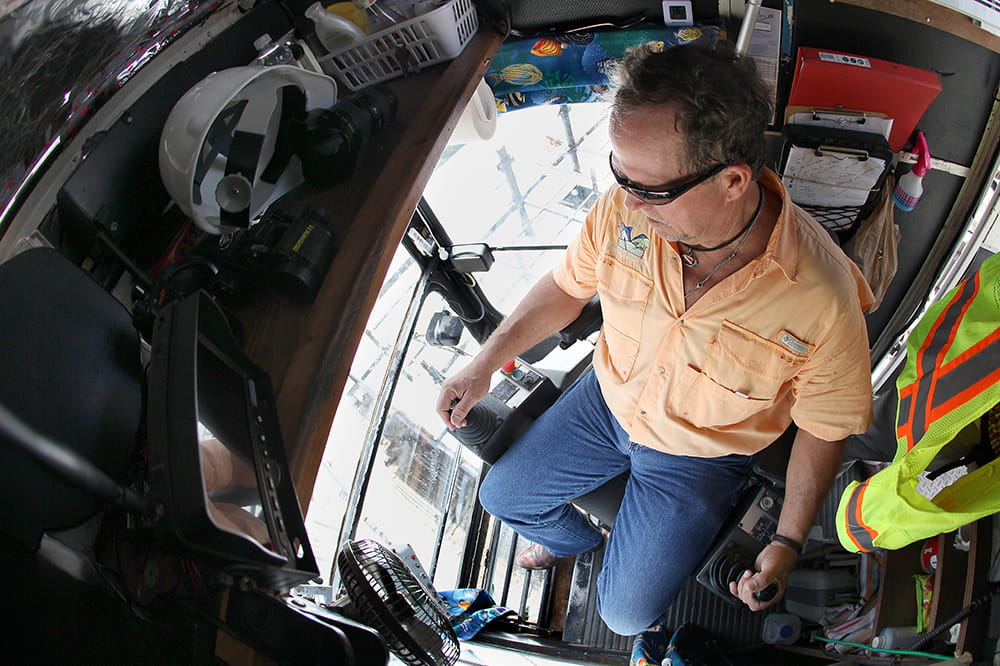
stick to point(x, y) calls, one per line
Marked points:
point(649, 648)
point(652, 648)
point(574, 67)
point(471, 609)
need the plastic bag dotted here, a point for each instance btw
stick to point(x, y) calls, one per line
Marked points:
point(874, 247)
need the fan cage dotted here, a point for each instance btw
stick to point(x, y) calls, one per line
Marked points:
point(411, 618)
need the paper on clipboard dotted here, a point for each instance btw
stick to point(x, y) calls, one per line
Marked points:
point(856, 121)
point(830, 176)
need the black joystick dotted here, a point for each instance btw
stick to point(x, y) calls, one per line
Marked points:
point(730, 569)
point(480, 424)
point(767, 593)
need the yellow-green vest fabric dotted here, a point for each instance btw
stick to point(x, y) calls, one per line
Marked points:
point(951, 378)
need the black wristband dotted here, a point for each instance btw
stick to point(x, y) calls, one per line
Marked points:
point(785, 541)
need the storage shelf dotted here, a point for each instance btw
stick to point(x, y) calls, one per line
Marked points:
point(959, 579)
point(308, 348)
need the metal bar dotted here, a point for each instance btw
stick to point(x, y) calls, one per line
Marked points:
point(545, 605)
point(570, 139)
point(746, 27)
point(366, 462)
point(509, 569)
point(491, 566)
point(506, 167)
point(522, 606)
point(456, 465)
point(936, 164)
point(70, 466)
point(481, 530)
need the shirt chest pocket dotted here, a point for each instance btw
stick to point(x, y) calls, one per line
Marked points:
point(625, 296)
point(743, 373)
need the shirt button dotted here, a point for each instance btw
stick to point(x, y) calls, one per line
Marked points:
point(642, 414)
point(660, 371)
point(680, 322)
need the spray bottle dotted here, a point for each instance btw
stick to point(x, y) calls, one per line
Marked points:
point(911, 185)
point(335, 32)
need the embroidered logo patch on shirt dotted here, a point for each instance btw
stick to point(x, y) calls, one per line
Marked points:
point(635, 246)
point(792, 343)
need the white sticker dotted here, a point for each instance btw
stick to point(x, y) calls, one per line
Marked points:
point(844, 59)
point(794, 344)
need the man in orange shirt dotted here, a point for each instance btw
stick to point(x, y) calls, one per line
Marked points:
point(728, 315)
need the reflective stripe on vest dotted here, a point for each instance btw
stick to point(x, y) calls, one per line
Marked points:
point(941, 386)
point(952, 377)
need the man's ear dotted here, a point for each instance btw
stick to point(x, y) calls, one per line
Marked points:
point(736, 179)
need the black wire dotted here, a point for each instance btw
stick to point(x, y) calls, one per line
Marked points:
point(482, 306)
point(70, 465)
point(954, 619)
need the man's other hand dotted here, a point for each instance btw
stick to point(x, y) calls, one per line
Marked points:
point(773, 565)
point(460, 394)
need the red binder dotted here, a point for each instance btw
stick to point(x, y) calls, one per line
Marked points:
point(829, 79)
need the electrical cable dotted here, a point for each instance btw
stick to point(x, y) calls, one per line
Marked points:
point(461, 315)
point(954, 619)
point(911, 653)
point(70, 465)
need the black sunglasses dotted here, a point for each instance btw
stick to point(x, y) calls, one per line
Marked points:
point(659, 198)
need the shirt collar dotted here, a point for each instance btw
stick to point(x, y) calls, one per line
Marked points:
point(783, 246)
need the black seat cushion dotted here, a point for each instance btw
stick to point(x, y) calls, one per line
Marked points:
point(71, 370)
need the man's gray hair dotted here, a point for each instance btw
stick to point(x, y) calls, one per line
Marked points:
point(722, 105)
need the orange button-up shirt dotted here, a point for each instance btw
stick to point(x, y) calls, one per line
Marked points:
point(783, 339)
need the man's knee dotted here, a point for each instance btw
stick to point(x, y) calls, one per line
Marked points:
point(488, 494)
point(629, 606)
point(495, 494)
point(626, 620)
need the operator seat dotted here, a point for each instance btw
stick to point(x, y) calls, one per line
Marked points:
point(603, 502)
point(72, 372)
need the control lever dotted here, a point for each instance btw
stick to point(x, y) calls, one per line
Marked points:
point(764, 595)
point(515, 401)
point(767, 593)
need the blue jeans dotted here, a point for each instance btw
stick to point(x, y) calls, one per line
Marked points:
point(672, 509)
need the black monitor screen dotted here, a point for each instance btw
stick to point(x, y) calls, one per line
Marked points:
point(216, 455)
point(225, 445)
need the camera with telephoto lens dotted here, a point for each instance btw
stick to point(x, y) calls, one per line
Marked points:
point(329, 141)
point(289, 253)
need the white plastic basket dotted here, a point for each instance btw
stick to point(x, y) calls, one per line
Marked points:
point(440, 34)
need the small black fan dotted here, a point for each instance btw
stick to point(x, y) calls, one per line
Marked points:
point(387, 596)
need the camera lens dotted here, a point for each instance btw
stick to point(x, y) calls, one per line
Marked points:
point(331, 139)
point(381, 103)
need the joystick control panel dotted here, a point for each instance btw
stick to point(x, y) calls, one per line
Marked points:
point(741, 539)
point(519, 395)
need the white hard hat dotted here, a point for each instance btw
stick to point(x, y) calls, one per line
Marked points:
point(224, 152)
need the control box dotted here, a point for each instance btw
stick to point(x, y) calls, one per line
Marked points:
point(519, 395)
point(754, 522)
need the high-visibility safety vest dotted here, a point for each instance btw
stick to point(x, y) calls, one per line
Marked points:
point(951, 378)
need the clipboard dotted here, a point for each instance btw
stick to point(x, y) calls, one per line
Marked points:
point(835, 79)
point(837, 118)
point(836, 175)
point(831, 176)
